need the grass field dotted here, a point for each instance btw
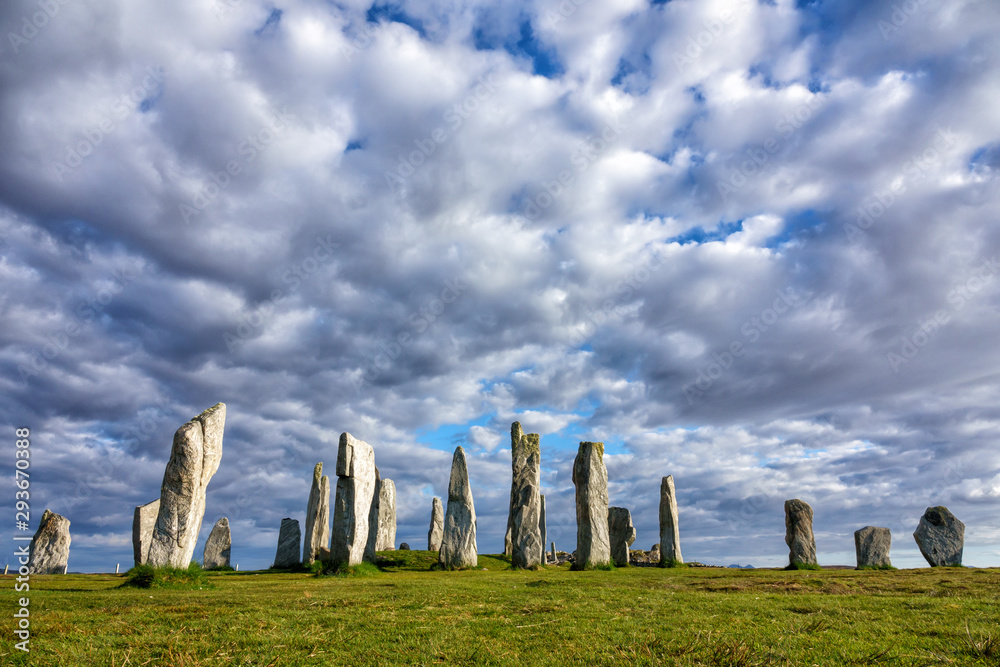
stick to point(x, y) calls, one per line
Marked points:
point(408, 614)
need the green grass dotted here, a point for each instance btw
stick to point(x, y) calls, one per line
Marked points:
point(797, 565)
point(409, 614)
point(147, 576)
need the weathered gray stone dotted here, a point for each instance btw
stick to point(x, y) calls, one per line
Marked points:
point(218, 546)
point(940, 536)
point(670, 534)
point(386, 516)
point(289, 544)
point(373, 512)
point(317, 533)
point(403, 546)
point(143, 523)
point(621, 534)
point(593, 547)
point(542, 528)
point(799, 533)
point(436, 532)
point(49, 549)
point(525, 505)
point(872, 546)
point(458, 545)
point(194, 459)
point(353, 501)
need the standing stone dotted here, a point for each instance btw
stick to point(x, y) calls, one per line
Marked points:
point(143, 523)
point(526, 542)
point(593, 547)
point(386, 516)
point(373, 512)
point(218, 546)
point(289, 544)
point(194, 458)
point(403, 546)
point(436, 531)
point(799, 533)
point(670, 534)
point(49, 550)
point(621, 534)
point(542, 528)
point(317, 518)
point(353, 501)
point(458, 545)
point(872, 546)
point(940, 536)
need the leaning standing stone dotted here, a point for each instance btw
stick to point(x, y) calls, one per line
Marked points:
point(621, 533)
point(355, 491)
point(799, 533)
point(386, 516)
point(373, 512)
point(593, 548)
point(872, 546)
point(436, 531)
point(289, 543)
point(525, 493)
point(218, 546)
point(458, 546)
point(670, 535)
point(194, 459)
point(143, 523)
point(49, 550)
point(542, 528)
point(317, 517)
point(941, 537)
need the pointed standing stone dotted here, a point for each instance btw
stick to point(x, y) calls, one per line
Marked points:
point(373, 513)
point(941, 537)
point(436, 531)
point(353, 501)
point(670, 534)
point(143, 523)
point(542, 528)
point(872, 547)
point(194, 459)
point(593, 548)
point(289, 543)
point(386, 516)
point(799, 533)
point(317, 518)
point(218, 546)
point(621, 534)
point(49, 549)
point(525, 509)
point(458, 545)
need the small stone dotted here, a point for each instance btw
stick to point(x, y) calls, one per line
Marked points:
point(403, 546)
point(386, 516)
point(353, 501)
point(49, 549)
point(593, 548)
point(218, 546)
point(669, 547)
point(436, 531)
point(289, 543)
point(872, 547)
point(621, 534)
point(941, 537)
point(458, 546)
point(143, 523)
point(799, 533)
point(317, 536)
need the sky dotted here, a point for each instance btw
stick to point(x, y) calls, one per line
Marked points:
point(750, 244)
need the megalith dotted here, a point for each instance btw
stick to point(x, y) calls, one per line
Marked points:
point(386, 516)
point(593, 548)
point(317, 533)
point(670, 534)
point(543, 529)
point(373, 513)
point(49, 549)
point(436, 532)
point(218, 546)
point(289, 544)
point(194, 459)
point(458, 544)
point(941, 537)
point(621, 534)
point(872, 547)
point(143, 523)
point(353, 501)
point(525, 499)
point(799, 533)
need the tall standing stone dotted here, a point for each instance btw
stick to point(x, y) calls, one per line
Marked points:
point(872, 547)
point(353, 501)
point(289, 544)
point(143, 523)
point(436, 532)
point(373, 512)
point(799, 533)
point(543, 529)
point(527, 546)
point(941, 537)
point(386, 516)
point(621, 534)
point(458, 545)
point(218, 546)
point(593, 548)
point(194, 458)
point(670, 534)
point(317, 535)
point(49, 549)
